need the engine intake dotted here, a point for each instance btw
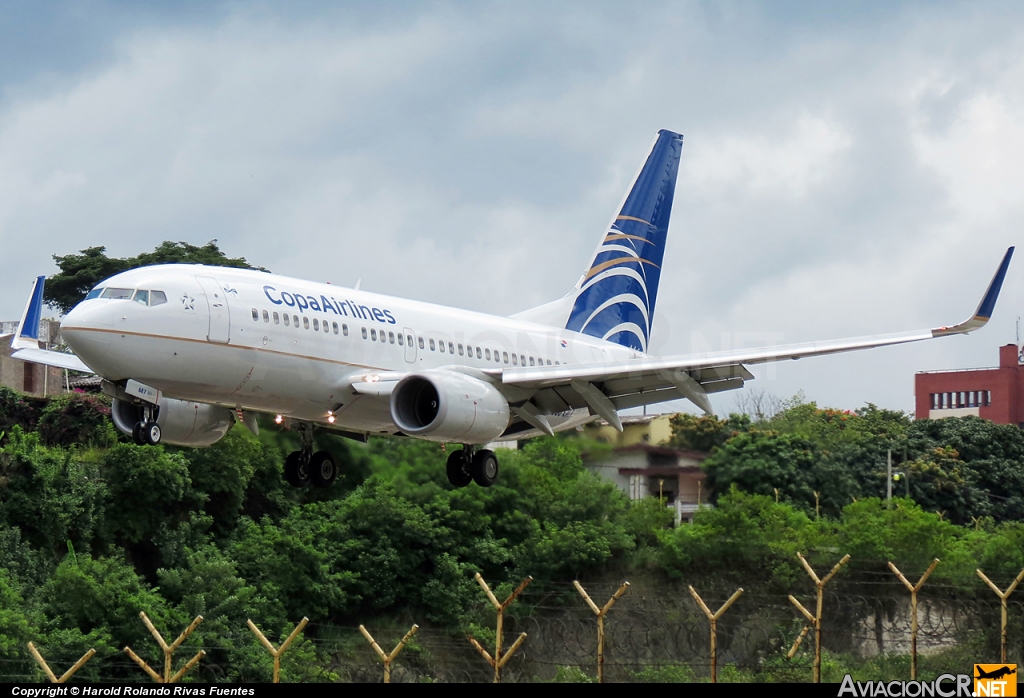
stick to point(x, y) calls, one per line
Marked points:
point(447, 406)
point(182, 423)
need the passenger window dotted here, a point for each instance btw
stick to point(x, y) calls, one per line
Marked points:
point(277, 318)
point(432, 346)
point(286, 321)
point(373, 335)
point(344, 330)
point(478, 353)
point(401, 340)
point(460, 350)
point(295, 321)
point(116, 293)
point(451, 348)
point(408, 339)
point(95, 293)
point(421, 342)
point(334, 326)
point(391, 337)
point(305, 323)
point(514, 362)
point(487, 353)
point(266, 316)
point(556, 363)
point(504, 356)
point(549, 362)
point(157, 298)
point(316, 324)
point(441, 347)
point(522, 360)
point(326, 328)
point(383, 337)
point(364, 333)
point(142, 297)
point(255, 315)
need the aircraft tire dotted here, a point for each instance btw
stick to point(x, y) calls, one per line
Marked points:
point(152, 433)
point(485, 468)
point(296, 473)
point(458, 469)
point(137, 436)
point(322, 469)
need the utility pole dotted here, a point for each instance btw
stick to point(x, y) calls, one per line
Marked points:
point(888, 480)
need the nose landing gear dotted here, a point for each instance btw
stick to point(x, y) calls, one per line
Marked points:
point(147, 432)
point(466, 465)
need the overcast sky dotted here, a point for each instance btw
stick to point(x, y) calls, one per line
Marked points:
point(848, 168)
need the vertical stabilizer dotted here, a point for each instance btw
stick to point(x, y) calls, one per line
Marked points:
point(27, 336)
point(615, 297)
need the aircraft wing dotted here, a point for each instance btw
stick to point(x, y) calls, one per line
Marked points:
point(26, 340)
point(52, 358)
point(608, 387)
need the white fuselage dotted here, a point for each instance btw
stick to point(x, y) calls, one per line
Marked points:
point(222, 337)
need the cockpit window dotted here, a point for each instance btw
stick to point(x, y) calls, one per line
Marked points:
point(116, 293)
point(141, 297)
point(95, 293)
point(157, 297)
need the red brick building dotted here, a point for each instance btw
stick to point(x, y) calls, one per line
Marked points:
point(990, 393)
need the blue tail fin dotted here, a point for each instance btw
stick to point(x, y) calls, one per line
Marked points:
point(615, 297)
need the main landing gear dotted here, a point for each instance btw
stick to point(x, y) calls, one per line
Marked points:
point(467, 465)
point(147, 431)
point(303, 467)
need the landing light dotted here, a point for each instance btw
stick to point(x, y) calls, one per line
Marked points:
point(330, 417)
point(372, 378)
point(278, 419)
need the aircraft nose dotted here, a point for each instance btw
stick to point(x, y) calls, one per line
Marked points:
point(82, 325)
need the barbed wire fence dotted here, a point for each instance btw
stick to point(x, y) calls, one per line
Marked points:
point(657, 632)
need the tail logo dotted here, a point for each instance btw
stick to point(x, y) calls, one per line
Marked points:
point(616, 296)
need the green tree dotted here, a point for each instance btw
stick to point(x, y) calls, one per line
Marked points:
point(705, 432)
point(79, 273)
point(745, 539)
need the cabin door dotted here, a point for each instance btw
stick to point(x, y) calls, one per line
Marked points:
point(220, 315)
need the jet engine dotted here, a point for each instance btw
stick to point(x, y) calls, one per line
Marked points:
point(182, 423)
point(448, 406)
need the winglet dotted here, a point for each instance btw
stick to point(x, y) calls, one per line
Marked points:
point(27, 336)
point(988, 303)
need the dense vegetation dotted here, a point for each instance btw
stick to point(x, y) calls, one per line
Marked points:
point(94, 529)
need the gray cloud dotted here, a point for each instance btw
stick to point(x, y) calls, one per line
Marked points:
point(845, 171)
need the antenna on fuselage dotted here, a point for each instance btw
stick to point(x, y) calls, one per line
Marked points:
point(359, 282)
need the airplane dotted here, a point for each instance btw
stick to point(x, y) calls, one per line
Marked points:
point(186, 351)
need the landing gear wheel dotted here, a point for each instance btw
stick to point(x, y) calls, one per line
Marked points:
point(322, 469)
point(137, 436)
point(151, 432)
point(296, 470)
point(485, 468)
point(458, 469)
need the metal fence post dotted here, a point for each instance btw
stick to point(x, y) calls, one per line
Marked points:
point(713, 619)
point(388, 658)
point(914, 588)
point(600, 613)
point(499, 660)
point(278, 651)
point(1003, 596)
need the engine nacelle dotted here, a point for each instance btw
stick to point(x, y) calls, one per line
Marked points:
point(182, 423)
point(447, 406)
